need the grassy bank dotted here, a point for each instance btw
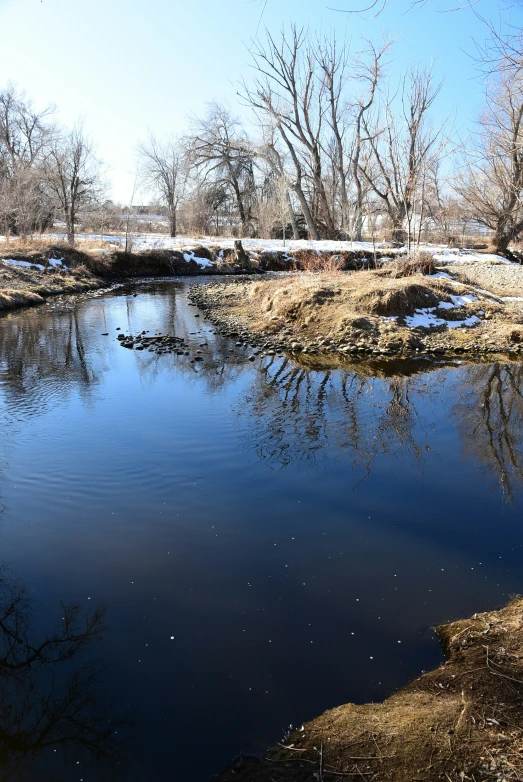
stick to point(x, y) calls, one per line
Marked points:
point(462, 722)
point(379, 312)
point(29, 275)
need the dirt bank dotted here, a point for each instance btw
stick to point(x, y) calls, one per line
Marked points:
point(373, 312)
point(463, 721)
point(25, 286)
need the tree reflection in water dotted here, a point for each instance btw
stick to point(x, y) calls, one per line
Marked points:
point(316, 415)
point(48, 691)
point(489, 416)
point(310, 416)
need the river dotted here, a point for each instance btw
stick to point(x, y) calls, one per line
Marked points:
point(254, 542)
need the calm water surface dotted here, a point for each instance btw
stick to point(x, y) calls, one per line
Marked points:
point(261, 542)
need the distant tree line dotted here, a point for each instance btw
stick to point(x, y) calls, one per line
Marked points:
point(335, 150)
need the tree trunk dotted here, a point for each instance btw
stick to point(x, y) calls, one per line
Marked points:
point(295, 232)
point(397, 216)
point(357, 227)
point(313, 231)
point(69, 222)
point(239, 200)
point(501, 241)
point(398, 233)
point(240, 256)
point(172, 221)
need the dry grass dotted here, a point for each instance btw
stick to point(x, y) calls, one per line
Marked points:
point(12, 299)
point(412, 265)
point(304, 296)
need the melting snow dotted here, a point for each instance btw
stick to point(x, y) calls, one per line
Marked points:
point(467, 256)
point(425, 318)
point(23, 263)
point(55, 263)
point(203, 262)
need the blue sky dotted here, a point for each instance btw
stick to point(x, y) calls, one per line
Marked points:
point(125, 67)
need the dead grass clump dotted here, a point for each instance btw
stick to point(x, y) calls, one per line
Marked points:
point(11, 299)
point(394, 299)
point(294, 298)
point(40, 252)
point(204, 252)
point(466, 279)
point(412, 265)
point(313, 261)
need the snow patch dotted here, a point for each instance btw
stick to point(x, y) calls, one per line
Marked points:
point(426, 319)
point(57, 263)
point(13, 262)
point(54, 263)
point(203, 262)
point(467, 256)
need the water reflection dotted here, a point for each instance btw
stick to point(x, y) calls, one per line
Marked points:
point(306, 415)
point(49, 709)
point(489, 417)
point(45, 356)
point(180, 492)
point(299, 414)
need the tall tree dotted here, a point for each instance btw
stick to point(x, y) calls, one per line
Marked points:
point(165, 168)
point(73, 176)
point(400, 144)
point(492, 183)
point(221, 152)
point(25, 134)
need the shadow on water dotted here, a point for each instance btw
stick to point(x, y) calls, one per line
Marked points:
point(51, 715)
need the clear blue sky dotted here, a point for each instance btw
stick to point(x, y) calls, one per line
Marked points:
point(127, 66)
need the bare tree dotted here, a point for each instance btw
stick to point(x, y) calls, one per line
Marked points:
point(375, 7)
point(368, 70)
point(73, 176)
point(221, 152)
point(492, 183)
point(287, 91)
point(165, 168)
point(400, 145)
point(24, 138)
point(280, 186)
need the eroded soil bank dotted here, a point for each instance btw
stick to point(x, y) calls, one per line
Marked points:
point(462, 721)
point(374, 312)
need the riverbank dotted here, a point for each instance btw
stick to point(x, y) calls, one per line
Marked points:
point(25, 286)
point(462, 721)
point(377, 313)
